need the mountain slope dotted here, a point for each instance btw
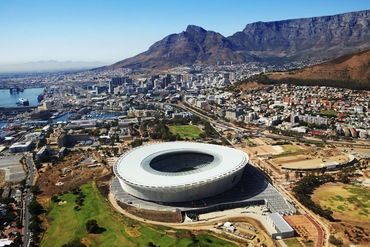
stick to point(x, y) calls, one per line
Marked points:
point(350, 67)
point(318, 38)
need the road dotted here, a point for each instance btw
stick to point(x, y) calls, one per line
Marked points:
point(320, 225)
point(322, 228)
point(27, 199)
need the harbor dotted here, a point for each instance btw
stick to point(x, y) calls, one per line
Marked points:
point(20, 97)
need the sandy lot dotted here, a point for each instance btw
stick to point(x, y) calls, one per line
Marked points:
point(307, 161)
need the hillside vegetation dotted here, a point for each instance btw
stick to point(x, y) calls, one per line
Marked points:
point(349, 71)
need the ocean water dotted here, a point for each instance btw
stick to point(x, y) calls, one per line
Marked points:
point(10, 99)
point(3, 123)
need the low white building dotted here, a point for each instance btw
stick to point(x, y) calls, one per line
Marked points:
point(5, 242)
point(366, 183)
point(21, 147)
point(283, 229)
point(229, 226)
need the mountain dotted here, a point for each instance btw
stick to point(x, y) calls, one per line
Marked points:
point(317, 38)
point(299, 39)
point(48, 66)
point(353, 67)
point(193, 46)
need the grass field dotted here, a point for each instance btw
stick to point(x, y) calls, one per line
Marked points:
point(186, 131)
point(293, 242)
point(65, 224)
point(346, 201)
point(289, 149)
point(329, 113)
point(249, 142)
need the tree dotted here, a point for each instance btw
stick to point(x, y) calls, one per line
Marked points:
point(35, 227)
point(136, 143)
point(38, 165)
point(35, 208)
point(287, 176)
point(150, 244)
point(35, 190)
point(74, 243)
point(335, 241)
point(92, 226)
point(17, 241)
point(195, 119)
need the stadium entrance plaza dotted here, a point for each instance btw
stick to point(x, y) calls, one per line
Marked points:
point(255, 212)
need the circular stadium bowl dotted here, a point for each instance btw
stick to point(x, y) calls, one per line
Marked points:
point(179, 171)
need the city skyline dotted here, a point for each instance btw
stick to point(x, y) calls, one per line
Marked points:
point(109, 31)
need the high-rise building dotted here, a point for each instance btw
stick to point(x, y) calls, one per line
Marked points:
point(115, 82)
point(185, 77)
point(47, 105)
point(167, 80)
point(232, 76)
point(179, 78)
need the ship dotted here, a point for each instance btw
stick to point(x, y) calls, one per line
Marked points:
point(23, 102)
point(40, 97)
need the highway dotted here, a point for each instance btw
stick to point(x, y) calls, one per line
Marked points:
point(27, 199)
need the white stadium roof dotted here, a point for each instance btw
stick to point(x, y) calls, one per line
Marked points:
point(134, 166)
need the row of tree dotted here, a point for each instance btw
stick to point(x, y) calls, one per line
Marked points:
point(304, 189)
point(36, 209)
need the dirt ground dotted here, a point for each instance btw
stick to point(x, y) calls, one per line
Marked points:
point(303, 226)
point(310, 159)
point(252, 230)
point(73, 171)
point(262, 147)
point(161, 216)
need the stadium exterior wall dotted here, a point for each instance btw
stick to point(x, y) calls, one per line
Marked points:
point(183, 193)
point(137, 177)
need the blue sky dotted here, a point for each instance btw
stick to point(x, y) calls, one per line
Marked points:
point(111, 30)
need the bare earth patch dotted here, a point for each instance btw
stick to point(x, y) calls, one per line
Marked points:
point(133, 232)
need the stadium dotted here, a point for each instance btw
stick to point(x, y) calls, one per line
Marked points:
point(173, 172)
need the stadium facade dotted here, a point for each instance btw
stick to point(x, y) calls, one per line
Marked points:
point(179, 171)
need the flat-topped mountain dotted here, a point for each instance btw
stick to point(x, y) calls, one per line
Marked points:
point(317, 38)
point(307, 38)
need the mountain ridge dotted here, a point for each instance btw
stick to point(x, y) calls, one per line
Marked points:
point(314, 38)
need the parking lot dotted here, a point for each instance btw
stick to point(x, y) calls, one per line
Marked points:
point(10, 163)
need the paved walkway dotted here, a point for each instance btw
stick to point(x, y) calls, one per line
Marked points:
point(208, 220)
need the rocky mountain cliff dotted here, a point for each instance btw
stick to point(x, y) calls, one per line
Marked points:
point(318, 38)
point(315, 38)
